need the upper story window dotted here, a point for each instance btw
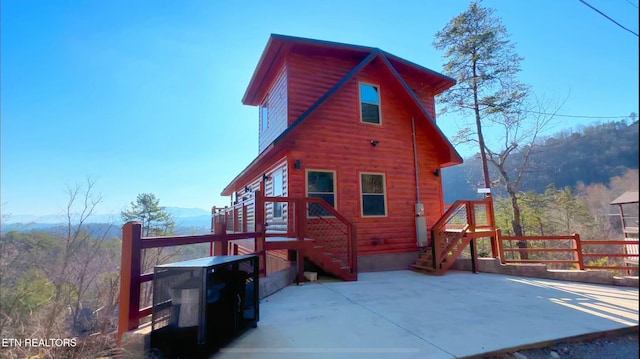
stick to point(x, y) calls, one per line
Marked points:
point(369, 103)
point(264, 116)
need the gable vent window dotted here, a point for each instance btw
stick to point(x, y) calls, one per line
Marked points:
point(369, 103)
point(264, 116)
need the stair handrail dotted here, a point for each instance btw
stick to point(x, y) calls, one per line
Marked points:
point(352, 245)
point(457, 237)
point(447, 214)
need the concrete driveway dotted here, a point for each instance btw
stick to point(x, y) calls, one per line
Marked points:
point(404, 314)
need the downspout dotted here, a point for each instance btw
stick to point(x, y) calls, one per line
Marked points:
point(421, 221)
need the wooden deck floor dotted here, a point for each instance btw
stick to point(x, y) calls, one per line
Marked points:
point(477, 233)
point(274, 243)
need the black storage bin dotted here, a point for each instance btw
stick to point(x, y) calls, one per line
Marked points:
point(200, 305)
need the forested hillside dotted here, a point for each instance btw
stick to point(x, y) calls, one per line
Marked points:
point(593, 154)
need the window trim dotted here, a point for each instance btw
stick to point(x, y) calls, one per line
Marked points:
point(335, 187)
point(384, 194)
point(360, 102)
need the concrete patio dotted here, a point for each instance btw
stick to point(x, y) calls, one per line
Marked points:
point(404, 314)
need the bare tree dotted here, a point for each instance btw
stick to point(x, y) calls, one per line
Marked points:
point(57, 279)
point(516, 137)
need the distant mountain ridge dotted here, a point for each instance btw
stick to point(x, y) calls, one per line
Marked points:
point(593, 154)
point(188, 221)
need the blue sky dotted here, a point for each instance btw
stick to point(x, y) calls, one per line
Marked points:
point(144, 96)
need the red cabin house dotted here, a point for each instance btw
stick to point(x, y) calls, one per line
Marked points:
point(355, 127)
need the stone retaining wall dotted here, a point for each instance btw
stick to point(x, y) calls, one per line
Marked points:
point(539, 270)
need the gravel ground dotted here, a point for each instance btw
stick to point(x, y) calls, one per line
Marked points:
point(624, 346)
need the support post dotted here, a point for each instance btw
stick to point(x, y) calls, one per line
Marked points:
point(260, 228)
point(128, 313)
point(474, 255)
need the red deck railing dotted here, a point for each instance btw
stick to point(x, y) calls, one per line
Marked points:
point(463, 218)
point(569, 250)
point(133, 245)
point(303, 217)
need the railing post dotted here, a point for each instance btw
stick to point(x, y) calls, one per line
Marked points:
point(435, 243)
point(259, 226)
point(471, 215)
point(220, 247)
point(236, 217)
point(496, 251)
point(498, 239)
point(577, 245)
point(128, 313)
point(213, 218)
point(300, 234)
point(245, 226)
point(354, 248)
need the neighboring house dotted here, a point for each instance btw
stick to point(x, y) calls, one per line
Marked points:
point(355, 126)
point(628, 206)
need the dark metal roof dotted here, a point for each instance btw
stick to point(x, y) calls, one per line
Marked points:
point(627, 197)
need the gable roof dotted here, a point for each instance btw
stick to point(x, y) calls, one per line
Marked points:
point(278, 44)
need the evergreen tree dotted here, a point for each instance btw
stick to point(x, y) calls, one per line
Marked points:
point(482, 60)
point(156, 221)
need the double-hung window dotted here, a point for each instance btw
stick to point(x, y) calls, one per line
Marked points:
point(369, 103)
point(320, 184)
point(372, 189)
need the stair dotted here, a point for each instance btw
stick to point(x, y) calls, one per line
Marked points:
point(424, 263)
point(331, 263)
point(449, 245)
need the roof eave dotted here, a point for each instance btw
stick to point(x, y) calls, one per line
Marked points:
point(454, 156)
point(444, 82)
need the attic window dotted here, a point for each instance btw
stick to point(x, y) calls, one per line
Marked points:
point(369, 103)
point(264, 116)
